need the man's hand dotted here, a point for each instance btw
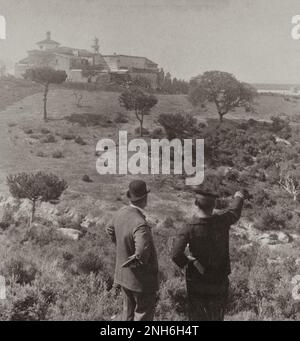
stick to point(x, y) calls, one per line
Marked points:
point(133, 262)
point(196, 264)
point(243, 193)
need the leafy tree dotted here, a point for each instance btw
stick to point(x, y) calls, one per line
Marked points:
point(222, 89)
point(141, 103)
point(36, 187)
point(45, 76)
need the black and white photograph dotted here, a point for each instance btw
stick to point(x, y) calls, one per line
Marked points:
point(149, 162)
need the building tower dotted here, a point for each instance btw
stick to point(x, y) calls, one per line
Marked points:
point(96, 46)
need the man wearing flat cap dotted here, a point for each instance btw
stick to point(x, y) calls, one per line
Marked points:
point(207, 263)
point(136, 259)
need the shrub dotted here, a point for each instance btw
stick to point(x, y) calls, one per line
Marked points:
point(68, 222)
point(240, 298)
point(171, 305)
point(88, 298)
point(263, 199)
point(41, 154)
point(121, 118)
point(232, 175)
point(22, 270)
point(79, 140)
point(68, 136)
point(167, 223)
point(28, 303)
point(89, 262)
point(42, 235)
point(35, 136)
point(86, 178)
point(58, 154)
point(273, 175)
point(48, 139)
point(271, 220)
point(157, 133)
point(86, 120)
point(278, 124)
point(145, 131)
point(12, 124)
point(7, 218)
point(179, 125)
point(45, 131)
point(28, 131)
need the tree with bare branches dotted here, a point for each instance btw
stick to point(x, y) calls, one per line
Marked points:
point(290, 184)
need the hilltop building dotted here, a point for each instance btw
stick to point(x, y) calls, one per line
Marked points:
point(85, 66)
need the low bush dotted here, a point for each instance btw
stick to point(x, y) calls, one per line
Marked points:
point(23, 271)
point(171, 305)
point(121, 118)
point(41, 154)
point(68, 136)
point(45, 131)
point(281, 126)
point(271, 220)
point(179, 125)
point(87, 119)
point(137, 131)
point(262, 199)
point(42, 235)
point(48, 139)
point(86, 178)
point(89, 262)
point(57, 154)
point(28, 131)
point(157, 133)
point(79, 140)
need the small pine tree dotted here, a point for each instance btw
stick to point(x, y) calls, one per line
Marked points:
point(36, 187)
point(46, 76)
point(138, 101)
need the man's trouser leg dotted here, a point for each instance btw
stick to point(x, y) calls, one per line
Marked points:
point(206, 307)
point(128, 305)
point(138, 306)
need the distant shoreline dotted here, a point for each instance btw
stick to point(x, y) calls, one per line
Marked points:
point(283, 89)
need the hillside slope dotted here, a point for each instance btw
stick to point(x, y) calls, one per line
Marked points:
point(77, 274)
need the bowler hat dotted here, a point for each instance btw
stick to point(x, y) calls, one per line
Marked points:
point(137, 190)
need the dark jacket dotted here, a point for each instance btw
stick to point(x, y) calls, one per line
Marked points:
point(132, 235)
point(208, 241)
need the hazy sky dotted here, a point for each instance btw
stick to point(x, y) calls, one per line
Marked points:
point(250, 38)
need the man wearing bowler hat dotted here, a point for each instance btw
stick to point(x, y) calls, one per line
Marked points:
point(207, 262)
point(136, 260)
